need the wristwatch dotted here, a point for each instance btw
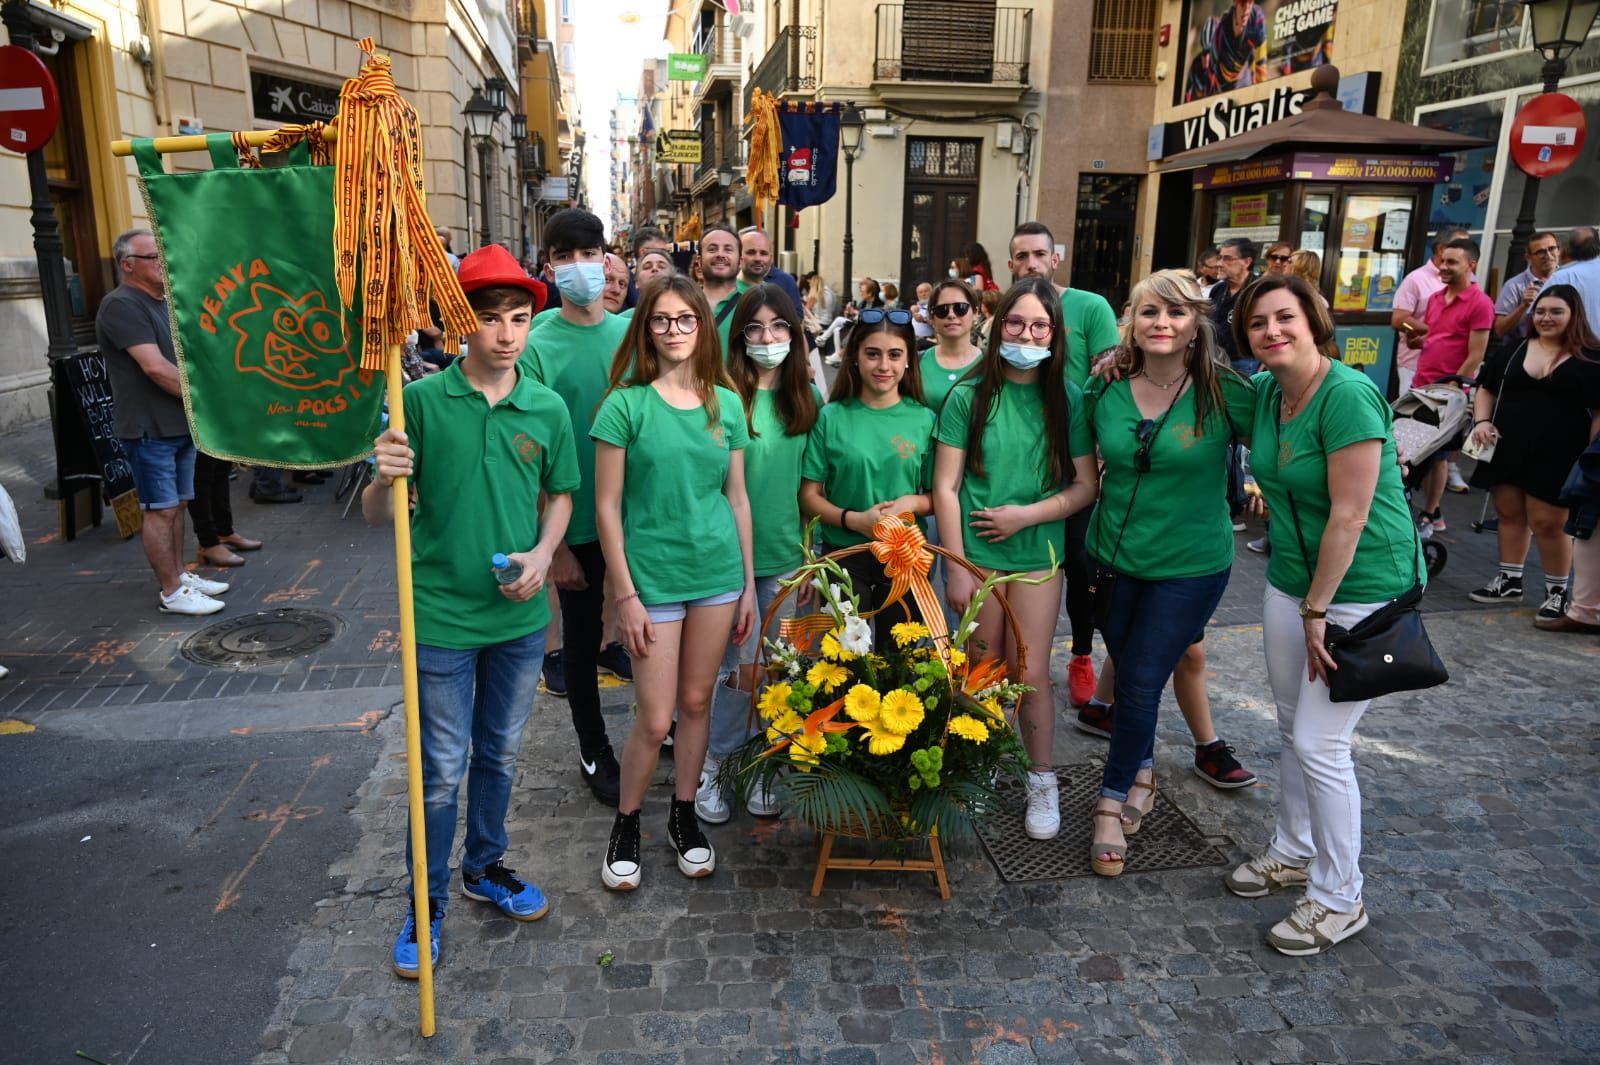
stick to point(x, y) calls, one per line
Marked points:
point(1307, 612)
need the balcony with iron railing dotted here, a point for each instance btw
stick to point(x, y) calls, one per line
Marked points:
point(724, 60)
point(720, 150)
point(958, 49)
point(789, 67)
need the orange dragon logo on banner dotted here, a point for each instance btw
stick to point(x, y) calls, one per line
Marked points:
point(297, 343)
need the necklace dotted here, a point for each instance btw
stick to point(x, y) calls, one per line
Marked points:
point(1158, 384)
point(1288, 407)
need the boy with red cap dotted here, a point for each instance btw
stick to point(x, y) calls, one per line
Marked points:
point(483, 442)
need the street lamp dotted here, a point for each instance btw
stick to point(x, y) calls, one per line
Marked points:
point(851, 125)
point(481, 115)
point(1559, 28)
point(519, 137)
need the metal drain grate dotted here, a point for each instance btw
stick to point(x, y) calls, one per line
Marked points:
point(1166, 840)
point(262, 639)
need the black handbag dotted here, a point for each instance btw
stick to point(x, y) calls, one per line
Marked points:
point(1387, 651)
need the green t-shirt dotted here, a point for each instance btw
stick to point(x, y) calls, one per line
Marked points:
point(1178, 525)
point(863, 456)
point(937, 381)
point(727, 303)
point(772, 480)
point(574, 362)
point(1346, 409)
point(677, 526)
point(478, 474)
point(1091, 329)
point(1016, 466)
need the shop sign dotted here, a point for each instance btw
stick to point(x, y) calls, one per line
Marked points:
point(678, 146)
point(1246, 172)
point(1305, 166)
point(685, 66)
point(1369, 349)
point(1225, 51)
point(284, 100)
point(1225, 118)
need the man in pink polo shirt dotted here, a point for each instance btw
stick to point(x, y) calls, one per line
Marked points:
point(1410, 300)
point(1459, 317)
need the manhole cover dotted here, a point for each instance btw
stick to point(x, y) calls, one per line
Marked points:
point(1167, 839)
point(261, 639)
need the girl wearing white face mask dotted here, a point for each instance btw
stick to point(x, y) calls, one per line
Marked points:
point(1015, 459)
point(767, 361)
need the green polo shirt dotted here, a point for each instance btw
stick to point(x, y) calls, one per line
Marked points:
point(478, 474)
point(1091, 329)
point(574, 362)
point(740, 287)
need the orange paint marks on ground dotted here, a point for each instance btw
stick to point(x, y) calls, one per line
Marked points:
point(47, 538)
point(279, 816)
point(297, 592)
point(894, 920)
point(366, 722)
point(103, 653)
point(385, 641)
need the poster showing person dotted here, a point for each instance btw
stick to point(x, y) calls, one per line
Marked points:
point(1234, 43)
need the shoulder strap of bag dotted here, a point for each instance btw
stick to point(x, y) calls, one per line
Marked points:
point(1415, 594)
point(722, 315)
point(1138, 477)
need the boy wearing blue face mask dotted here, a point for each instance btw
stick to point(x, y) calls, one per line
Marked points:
point(570, 353)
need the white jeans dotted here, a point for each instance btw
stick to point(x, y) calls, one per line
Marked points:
point(1319, 811)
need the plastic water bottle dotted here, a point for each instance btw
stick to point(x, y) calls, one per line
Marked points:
point(505, 570)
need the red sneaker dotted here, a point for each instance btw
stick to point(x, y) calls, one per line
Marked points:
point(1080, 680)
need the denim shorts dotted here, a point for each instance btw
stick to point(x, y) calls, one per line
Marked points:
point(677, 611)
point(163, 470)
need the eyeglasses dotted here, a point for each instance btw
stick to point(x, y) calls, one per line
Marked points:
point(874, 315)
point(152, 258)
point(1145, 434)
point(661, 324)
point(959, 309)
point(1279, 258)
point(1544, 251)
point(1015, 327)
point(777, 330)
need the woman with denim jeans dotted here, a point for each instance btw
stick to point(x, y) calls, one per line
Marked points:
point(1161, 535)
point(1324, 456)
point(767, 360)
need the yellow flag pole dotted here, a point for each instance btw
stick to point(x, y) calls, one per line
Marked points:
point(197, 142)
point(408, 677)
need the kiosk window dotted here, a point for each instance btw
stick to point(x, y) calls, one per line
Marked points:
point(1254, 213)
point(1372, 252)
point(1314, 217)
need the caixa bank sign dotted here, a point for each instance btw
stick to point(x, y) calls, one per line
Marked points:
point(282, 99)
point(1224, 118)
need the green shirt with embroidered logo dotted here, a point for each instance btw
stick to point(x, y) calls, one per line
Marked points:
point(1293, 458)
point(478, 474)
point(677, 526)
point(1178, 525)
point(574, 362)
point(1016, 467)
point(772, 479)
point(864, 456)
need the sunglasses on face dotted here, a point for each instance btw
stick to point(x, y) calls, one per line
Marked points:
point(1278, 258)
point(959, 309)
point(873, 315)
point(1145, 434)
point(661, 324)
point(1015, 327)
point(778, 330)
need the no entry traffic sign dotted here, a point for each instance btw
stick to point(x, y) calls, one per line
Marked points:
point(29, 105)
point(1547, 135)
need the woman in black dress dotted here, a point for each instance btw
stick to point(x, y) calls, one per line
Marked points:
point(1540, 402)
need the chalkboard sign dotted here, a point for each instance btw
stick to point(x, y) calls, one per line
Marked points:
point(86, 442)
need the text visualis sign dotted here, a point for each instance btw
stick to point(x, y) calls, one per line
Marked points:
point(1225, 117)
point(1331, 166)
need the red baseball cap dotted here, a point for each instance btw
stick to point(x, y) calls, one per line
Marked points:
point(493, 265)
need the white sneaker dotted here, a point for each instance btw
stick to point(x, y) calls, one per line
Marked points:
point(1312, 928)
point(1454, 481)
point(832, 360)
point(1262, 875)
point(201, 585)
point(1043, 820)
point(710, 804)
point(763, 801)
point(188, 601)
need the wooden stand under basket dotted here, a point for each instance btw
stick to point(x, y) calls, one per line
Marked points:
point(827, 861)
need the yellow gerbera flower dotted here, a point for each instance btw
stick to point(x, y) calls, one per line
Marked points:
point(827, 676)
point(774, 701)
point(785, 725)
point(957, 658)
point(880, 740)
point(969, 728)
point(993, 706)
point(806, 751)
point(862, 703)
point(832, 650)
point(908, 632)
point(901, 712)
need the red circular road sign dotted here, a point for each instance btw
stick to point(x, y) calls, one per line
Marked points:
point(29, 105)
point(1547, 135)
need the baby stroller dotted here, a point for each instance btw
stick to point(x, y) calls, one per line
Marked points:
point(1428, 421)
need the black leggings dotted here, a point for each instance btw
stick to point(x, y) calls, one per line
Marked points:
point(211, 509)
point(872, 588)
point(581, 629)
point(1079, 576)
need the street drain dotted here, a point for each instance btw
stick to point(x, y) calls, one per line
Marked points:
point(262, 639)
point(1167, 839)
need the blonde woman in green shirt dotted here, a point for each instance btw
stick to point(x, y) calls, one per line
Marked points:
point(674, 524)
point(1014, 459)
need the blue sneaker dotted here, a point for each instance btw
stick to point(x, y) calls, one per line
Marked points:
point(517, 899)
point(405, 944)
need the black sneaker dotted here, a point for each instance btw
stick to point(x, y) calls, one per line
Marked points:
point(620, 870)
point(668, 744)
point(1504, 588)
point(1554, 605)
point(603, 775)
point(695, 856)
point(555, 674)
point(1096, 719)
point(1215, 764)
point(615, 661)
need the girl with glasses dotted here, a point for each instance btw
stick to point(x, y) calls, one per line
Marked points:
point(674, 524)
point(868, 454)
point(1014, 460)
point(767, 361)
point(1161, 536)
point(952, 309)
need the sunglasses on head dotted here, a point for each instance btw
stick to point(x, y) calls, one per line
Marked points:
point(874, 315)
point(959, 309)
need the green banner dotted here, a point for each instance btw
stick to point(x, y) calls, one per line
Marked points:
point(270, 363)
point(685, 66)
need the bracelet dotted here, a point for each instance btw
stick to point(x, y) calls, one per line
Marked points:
point(844, 516)
point(624, 598)
point(1483, 421)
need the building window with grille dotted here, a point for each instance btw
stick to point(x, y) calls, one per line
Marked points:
point(1465, 30)
point(1122, 41)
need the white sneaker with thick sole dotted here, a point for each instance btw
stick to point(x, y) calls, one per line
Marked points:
point(1312, 928)
point(188, 601)
point(710, 804)
point(763, 801)
point(1454, 481)
point(201, 585)
point(1262, 875)
point(1043, 819)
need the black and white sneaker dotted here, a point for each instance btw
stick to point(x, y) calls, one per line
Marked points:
point(620, 871)
point(1554, 605)
point(1504, 588)
point(603, 775)
point(695, 856)
point(669, 745)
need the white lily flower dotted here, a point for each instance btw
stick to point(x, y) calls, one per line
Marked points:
point(856, 637)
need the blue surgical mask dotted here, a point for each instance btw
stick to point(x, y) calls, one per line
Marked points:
point(581, 283)
point(767, 356)
point(1023, 356)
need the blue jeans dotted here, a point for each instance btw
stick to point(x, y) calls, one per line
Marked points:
point(163, 469)
point(1150, 626)
point(730, 708)
point(478, 698)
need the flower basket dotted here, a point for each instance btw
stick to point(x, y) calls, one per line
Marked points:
point(888, 744)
